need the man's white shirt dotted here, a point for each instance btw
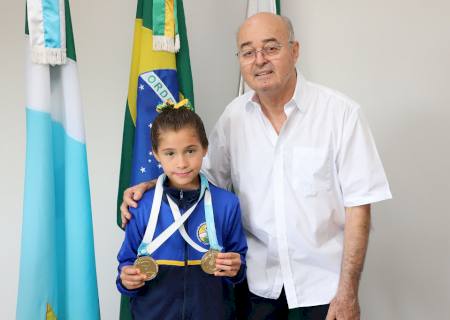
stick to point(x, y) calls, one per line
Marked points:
point(294, 187)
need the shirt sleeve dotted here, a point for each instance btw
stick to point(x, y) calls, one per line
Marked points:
point(134, 233)
point(235, 241)
point(216, 165)
point(360, 171)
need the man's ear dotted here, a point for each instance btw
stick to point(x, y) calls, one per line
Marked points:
point(296, 50)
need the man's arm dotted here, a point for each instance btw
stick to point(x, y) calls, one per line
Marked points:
point(345, 304)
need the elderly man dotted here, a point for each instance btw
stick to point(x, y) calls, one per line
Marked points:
point(302, 160)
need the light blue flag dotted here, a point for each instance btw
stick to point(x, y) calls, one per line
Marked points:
point(57, 268)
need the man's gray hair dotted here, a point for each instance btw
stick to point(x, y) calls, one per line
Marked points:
point(290, 28)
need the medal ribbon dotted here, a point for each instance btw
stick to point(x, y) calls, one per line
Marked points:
point(209, 217)
point(148, 245)
point(176, 215)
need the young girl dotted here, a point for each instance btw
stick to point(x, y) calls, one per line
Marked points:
point(185, 247)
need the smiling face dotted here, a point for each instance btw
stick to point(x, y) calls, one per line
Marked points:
point(274, 75)
point(181, 154)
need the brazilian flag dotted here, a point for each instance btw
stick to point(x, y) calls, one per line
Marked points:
point(160, 70)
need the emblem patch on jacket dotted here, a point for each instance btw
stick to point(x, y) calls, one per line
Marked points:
point(202, 234)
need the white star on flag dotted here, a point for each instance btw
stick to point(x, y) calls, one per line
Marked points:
point(159, 166)
point(150, 153)
point(142, 170)
point(150, 125)
point(141, 87)
point(149, 160)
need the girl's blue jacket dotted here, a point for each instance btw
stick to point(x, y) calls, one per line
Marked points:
point(181, 290)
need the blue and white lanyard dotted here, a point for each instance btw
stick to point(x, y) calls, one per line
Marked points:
point(150, 245)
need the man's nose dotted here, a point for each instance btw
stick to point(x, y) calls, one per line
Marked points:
point(260, 58)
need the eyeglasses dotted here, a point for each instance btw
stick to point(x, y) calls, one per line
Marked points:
point(270, 50)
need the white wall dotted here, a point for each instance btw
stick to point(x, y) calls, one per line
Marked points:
point(393, 57)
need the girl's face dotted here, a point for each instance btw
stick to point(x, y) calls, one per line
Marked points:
point(181, 154)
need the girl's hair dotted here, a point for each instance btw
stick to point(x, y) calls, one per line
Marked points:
point(177, 119)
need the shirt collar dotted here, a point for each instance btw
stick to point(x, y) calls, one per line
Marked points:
point(298, 99)
point(184, 199)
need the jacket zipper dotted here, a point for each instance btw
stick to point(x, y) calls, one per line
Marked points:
point(185, 264)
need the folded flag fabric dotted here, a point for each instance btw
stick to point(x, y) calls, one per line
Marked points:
point(255, 6)
point(46, 22)
point(157, 74)
point(165, 26)
point(57, 265)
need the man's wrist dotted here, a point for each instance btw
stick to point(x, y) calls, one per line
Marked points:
point(348, 290)
point(150, 184)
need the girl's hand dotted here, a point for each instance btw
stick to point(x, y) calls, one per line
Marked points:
point(132, 278)
point(227, 264)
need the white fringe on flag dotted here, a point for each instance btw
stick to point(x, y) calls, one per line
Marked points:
point(177, 43)
point(45, 32)
point(162, 43)
point(52, 56)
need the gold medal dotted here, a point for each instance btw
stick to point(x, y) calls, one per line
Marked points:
point(147, 265)
point(209, 261)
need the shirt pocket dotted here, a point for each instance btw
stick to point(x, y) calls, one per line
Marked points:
point(311, 170)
